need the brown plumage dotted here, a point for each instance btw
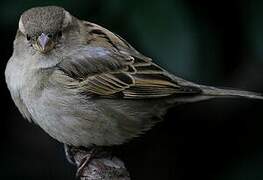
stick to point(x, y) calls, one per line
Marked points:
point(85, 85)
point(137, 77)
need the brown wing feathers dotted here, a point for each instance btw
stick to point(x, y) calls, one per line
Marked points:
point(107, 84)
point(136, 78)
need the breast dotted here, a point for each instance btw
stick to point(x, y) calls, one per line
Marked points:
point(66, 117)
point(13, 75)
point(55, 110)
point(15, 80)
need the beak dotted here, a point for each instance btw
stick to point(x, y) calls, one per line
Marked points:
point(43, 40)
point(44, 43)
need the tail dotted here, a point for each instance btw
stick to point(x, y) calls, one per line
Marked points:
point(218, 92)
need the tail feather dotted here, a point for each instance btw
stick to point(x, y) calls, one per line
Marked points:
point(218, 92)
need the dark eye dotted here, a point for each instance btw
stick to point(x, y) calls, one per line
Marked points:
point(28, 37)
point(59, 33)
point(50, 35)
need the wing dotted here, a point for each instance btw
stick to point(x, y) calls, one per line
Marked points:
point(110, 67)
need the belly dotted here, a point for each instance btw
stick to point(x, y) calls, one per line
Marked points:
point(66, 119)
point(78, 121)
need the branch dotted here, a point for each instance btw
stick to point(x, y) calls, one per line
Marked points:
point(105, 168)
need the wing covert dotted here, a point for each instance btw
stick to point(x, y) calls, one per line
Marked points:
point(118, 70)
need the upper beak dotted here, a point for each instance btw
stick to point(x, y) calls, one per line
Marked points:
point(44, 43)
point(43, 40)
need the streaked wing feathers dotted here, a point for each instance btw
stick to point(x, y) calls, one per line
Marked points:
point(107, 84)
point(120, 70)
point(137, 80)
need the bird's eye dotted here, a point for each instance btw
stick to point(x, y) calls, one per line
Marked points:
point(59, 33)
point(28, 37)
point(50, 35)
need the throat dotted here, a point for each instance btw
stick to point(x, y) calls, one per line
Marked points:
point(45, 61)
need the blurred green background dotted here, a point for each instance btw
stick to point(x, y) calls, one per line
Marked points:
point(211, 42)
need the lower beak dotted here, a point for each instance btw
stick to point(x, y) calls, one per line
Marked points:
point(44, 43)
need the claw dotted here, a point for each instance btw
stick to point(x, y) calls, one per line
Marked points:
point(85, 162)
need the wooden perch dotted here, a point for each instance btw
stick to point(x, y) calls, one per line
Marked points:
point(105, 168)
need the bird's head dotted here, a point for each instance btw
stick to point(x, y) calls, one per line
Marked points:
point(44, 27)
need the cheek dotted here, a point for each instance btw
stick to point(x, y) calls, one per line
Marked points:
point(22, 46)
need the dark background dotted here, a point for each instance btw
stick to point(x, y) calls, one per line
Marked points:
point(211, 42)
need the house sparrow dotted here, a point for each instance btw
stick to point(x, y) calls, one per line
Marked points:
point(85, 85)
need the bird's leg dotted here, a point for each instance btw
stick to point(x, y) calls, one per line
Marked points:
point(82, 156)
point(90, 154)
point(70, 154)
point(85, 162)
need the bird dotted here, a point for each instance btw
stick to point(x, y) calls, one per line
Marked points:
point(87, 86)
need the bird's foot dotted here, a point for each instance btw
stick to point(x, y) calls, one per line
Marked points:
point(69, 152)
point(91, 154)
point(82, 157)
point(84, 162)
